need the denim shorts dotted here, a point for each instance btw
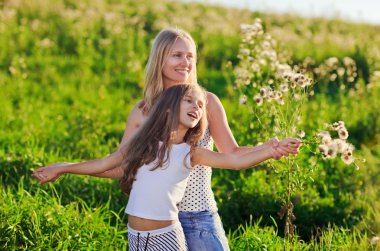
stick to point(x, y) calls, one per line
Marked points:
point(203, 231)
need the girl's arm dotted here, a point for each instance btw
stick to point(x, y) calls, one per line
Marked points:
point(202, 156)
point(52, 172)
point(134, 121)
point(224, 139)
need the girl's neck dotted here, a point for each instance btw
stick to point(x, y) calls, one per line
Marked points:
point(178, 136)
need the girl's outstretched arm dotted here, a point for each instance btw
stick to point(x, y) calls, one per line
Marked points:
point(202, 156)
point(134, 122)
point(224, 139)
point(52, 172)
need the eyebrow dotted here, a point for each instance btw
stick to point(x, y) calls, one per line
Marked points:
point(187, 52)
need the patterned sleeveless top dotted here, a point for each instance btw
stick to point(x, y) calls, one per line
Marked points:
point(198, 194)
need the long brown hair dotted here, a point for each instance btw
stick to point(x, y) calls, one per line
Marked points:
point(158, 55)
point(163, 121)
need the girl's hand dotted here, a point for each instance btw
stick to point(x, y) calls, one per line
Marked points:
point(276, 152)
point(291, 145)
point(49, 173)
point(283, 148)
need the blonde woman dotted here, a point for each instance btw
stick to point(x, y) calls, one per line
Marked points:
point(172, 61)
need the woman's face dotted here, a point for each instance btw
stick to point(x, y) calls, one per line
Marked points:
point(179, 63)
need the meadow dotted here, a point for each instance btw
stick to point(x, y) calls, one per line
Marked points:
point(70, 72)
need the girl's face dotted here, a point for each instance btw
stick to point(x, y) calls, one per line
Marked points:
point(191, 110)
point(179, 63)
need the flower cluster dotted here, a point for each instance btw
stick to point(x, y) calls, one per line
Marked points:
point(330, 147)
point(291, 80)
point(333, 69)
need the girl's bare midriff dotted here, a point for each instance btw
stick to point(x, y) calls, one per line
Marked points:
point(142, 224)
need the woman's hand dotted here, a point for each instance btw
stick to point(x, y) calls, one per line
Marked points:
point(49, 173)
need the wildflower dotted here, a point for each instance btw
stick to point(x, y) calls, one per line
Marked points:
point(255, 67)
point(245, 51)
point(301, 134)
point(375, 240)
point(277, 95)
point(347, 159)
point(342, 145)
point(324, 150)
point(264, 91)
point(284, 87)
point(341, 71)
point(337, 125)
point(348, 150)
point(281, 101)
point(325, 137)
point(270, 95)
point(343, 133)
point(333, 77)
point(332, 150)
point(348, 61)
point(258, 99)
point(332, 61)
point(266, 45)
point(243, 100)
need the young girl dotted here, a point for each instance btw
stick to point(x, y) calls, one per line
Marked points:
point(157, 162)
point(172, 61)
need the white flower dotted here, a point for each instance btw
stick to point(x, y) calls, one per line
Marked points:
point(301, 134)
point(333, 150)
point(284, 87)
point(338, 125)
point(325, 137)
point(375, 240)
point(270, 95)
point(264, 91)
point(281, 101)
point(324, 150)
point(243, 100)
point(347, 159)
point(343, 133)
point(349, 148)
point(258, 99)
point(342, 145)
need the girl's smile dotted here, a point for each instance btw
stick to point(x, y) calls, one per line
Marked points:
point(191, 110)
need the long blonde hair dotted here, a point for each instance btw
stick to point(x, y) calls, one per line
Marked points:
point(158, 55)
point(163, 120)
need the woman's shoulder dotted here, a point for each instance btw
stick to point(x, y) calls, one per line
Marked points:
point(213, 102)
point(138, 113)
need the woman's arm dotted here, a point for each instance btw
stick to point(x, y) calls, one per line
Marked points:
point(202, 156)
point(224, 139)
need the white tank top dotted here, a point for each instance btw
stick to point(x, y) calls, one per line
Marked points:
point(155, 194)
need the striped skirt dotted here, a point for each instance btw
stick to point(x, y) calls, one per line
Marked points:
point(170, 238)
